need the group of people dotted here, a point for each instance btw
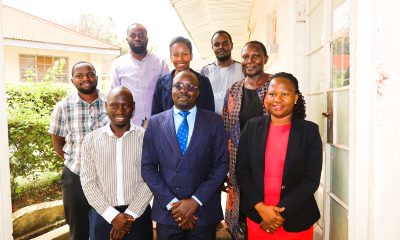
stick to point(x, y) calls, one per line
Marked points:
point(182, 137)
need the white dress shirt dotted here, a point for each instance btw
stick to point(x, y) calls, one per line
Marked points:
point(110, 173)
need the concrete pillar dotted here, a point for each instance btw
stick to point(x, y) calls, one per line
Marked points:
point(5, 191)
point(375, 162)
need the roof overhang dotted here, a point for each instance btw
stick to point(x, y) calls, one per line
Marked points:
point(202, 18)
point(59, 47)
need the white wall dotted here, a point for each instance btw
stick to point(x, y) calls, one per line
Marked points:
point(5, 191)
point(375, 209)
point(287, 54)
point(374, 193)
point(12, 53)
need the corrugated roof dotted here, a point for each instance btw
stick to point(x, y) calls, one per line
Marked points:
point(19, 25)
point(202, 18)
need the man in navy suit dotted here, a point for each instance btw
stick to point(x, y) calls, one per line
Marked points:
point(184, 161)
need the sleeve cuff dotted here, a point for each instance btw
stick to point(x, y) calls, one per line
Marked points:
point(134, 215)
point(109, 214)
point(197, 200)
point(169, 206)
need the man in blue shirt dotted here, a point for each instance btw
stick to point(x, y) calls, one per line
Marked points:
point(184, 161)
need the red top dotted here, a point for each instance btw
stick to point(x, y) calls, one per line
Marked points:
point(275, 154)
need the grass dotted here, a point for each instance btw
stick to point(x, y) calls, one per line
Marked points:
point(36, 188)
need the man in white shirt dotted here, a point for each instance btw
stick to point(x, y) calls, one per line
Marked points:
point(138, 71)
point(110, 174)
point(223, 72)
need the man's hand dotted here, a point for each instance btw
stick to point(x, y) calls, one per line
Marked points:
point(271, 218)
point(190, 225)
point(183, 211)
point(58, 144)
point(123, 222)
point(116, 234)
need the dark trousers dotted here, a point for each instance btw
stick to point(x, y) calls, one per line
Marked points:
point(142, 228)
point(167, 232)
point(76, 207)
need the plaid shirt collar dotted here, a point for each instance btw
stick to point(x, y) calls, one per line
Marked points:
point(76, 98)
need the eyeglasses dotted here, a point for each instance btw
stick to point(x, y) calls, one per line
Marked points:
point(87, 75)
point(181, 86)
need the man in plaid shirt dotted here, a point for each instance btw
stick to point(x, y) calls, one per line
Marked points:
point(71, 120)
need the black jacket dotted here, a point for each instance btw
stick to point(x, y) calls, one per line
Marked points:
point(301, 174)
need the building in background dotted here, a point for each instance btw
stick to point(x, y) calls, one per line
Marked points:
point(32, 45)
point(345, 54)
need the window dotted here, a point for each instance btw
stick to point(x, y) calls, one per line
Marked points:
point(43, 68)
point(328, 94)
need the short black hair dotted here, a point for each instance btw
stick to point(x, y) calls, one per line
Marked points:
point(81, 62)
point(180, 39)
point(127, 30)
point(299, 109)
point(221, 32)
point(258, 44)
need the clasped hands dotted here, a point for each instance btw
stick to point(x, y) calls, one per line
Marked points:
point(121, 226)
point(183, 213)
point(271, 217)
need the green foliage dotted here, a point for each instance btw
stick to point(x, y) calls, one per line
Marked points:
point(100, 27)
point(30, 75)
point(29, 109)
point(35, 183)
point(56, 70)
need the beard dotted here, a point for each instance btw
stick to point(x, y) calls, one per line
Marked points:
point(138, 49)
point(224, 58)
point(87, 91)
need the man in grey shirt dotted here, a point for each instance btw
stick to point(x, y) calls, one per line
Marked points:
point(223, 72)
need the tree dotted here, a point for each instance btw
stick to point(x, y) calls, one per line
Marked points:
point(103, 28)
point(100, 27)
point(56, 71)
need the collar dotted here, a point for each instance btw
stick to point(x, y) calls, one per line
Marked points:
point(233, 61)
point(192, 110)
point(133, 58)
point(109, 132)
point(76, 98)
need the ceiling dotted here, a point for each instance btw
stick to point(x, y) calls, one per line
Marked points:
point(202, 18)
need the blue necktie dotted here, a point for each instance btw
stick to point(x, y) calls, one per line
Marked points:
point(183, 131)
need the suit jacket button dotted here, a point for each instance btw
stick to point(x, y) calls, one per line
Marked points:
point(177, 188)
point(283, 187)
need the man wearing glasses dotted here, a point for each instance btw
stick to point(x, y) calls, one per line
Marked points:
point(184, 161)
point(71, 120)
